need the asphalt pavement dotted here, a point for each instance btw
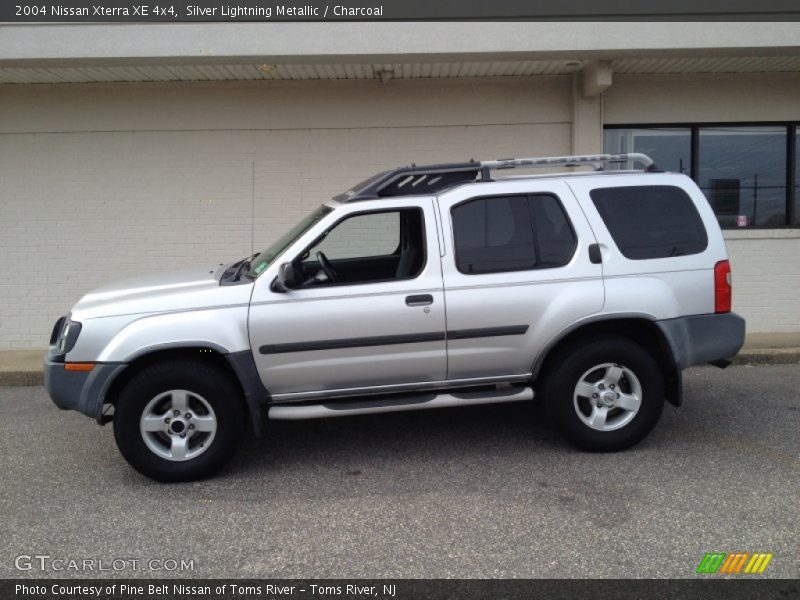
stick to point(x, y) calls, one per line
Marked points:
point(475, 492)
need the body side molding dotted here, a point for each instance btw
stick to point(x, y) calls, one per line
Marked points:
point(386, 340)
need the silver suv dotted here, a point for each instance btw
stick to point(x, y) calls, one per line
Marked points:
point(421, 287)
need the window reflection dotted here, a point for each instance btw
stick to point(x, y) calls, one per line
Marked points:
point(670, 148)
point(742, 171)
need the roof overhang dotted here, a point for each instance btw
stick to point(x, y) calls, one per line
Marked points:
point(93, 52)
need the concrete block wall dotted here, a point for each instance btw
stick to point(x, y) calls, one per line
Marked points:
point(100, 182)
point(766, 278)
point(103, 182)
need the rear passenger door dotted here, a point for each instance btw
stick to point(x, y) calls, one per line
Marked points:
point(516, 273)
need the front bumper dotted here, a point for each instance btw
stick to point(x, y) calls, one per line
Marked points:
point(703, 338)
point(80, 390)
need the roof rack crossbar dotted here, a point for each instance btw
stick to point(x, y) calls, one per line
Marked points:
point(598, 161)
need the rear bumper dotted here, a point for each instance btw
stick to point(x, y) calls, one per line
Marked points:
point(703, 338)
point(79, 390)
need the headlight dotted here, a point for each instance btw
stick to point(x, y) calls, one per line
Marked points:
point(57, 330)
point(62, 340)
point(68, 336)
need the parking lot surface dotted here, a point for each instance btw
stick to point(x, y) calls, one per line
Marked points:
point(474, 492)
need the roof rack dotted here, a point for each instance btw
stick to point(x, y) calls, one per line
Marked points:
point(430, 179)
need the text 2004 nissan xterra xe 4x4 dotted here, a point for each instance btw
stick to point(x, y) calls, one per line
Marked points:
point(422, 287)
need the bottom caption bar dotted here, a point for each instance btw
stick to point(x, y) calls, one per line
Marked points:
point(397, 589)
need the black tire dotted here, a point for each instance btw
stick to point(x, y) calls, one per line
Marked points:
point(567, 370)
point(213, 385)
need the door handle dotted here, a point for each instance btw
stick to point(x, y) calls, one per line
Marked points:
point(595, 256)
point(419, 300)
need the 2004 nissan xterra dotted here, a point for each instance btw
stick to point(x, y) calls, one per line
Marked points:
point(422, 287)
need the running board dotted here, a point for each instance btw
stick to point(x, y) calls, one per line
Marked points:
point(397, 404)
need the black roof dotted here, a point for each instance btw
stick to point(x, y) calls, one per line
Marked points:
point(405, 181)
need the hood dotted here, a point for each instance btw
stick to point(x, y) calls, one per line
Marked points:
point(164, 292)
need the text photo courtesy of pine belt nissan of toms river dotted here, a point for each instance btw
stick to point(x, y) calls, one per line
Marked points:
point(421, 287)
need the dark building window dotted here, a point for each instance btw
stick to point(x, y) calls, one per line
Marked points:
point(748, 172)
point(742, 172)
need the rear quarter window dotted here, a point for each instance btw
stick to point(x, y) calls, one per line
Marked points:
point(651, 221)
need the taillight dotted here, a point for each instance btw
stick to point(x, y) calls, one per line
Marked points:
point(723, 290)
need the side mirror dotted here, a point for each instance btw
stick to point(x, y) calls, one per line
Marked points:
point(286, 279)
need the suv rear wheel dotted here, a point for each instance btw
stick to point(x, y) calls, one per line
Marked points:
point(605, 394)
point(178, 421)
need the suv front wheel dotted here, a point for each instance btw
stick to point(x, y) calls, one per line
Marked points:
point(604, 395)
point(178, 421)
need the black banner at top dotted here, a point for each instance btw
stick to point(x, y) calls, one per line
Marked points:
point(173, 11)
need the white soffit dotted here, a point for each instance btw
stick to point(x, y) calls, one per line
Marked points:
point(355, 71)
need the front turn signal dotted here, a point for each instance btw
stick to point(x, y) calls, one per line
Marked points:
point(78, 366)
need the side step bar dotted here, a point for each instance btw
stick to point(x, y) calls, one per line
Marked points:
point(398, 403)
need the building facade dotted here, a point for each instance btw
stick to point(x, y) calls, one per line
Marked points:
point(128, 149)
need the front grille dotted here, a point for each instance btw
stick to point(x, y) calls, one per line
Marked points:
point(57, 330)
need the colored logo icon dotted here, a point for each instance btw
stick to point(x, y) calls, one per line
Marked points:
point(734, 563)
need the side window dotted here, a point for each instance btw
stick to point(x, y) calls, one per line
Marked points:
point(375, 234)
point(367, 248)
point(511, 233)
point(651, 221)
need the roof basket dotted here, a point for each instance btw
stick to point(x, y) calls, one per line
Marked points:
point(430, 179)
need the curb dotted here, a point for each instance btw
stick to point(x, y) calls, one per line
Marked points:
point(773, 356)
point(778, 356)
point(21, 378)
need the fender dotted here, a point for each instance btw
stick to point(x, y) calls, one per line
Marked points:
point(573, 327)
point(255, 394)
point(671, 366)
point(221, 329)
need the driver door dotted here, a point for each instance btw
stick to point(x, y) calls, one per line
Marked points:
point(375, 319)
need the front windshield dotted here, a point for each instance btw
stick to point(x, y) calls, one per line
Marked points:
point(266, 257)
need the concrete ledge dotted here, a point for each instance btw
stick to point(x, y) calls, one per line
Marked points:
point(22, 367)
point(21, 378)
point(772, 356)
